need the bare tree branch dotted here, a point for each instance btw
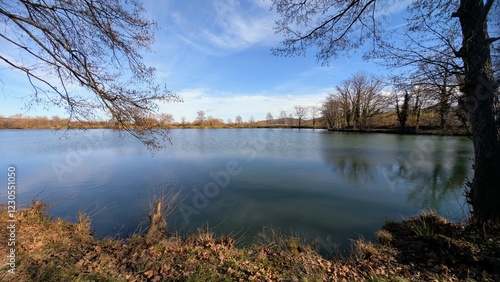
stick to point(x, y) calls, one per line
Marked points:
point(93, 44)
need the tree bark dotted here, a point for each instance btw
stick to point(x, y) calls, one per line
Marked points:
point(416, 111)
point(158, 226)
point(402, 112)
point(481, 91)
point(444, 103)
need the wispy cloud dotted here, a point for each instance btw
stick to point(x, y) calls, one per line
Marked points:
point(391, 8)
point(230, 28)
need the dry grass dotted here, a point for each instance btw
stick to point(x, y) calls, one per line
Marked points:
point(425, 225)
point(56, 250)
point(361, 249)
point(384, 237)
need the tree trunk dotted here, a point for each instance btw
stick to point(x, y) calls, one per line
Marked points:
point(444, 103)
point(357, 111)
point(417, 122)
point(158, 226)
point(417, 113)
point(402, 113)
point(480, 90)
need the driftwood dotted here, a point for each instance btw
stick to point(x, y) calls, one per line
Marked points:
point(158, 226)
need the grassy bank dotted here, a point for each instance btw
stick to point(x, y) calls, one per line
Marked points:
point(423, 248)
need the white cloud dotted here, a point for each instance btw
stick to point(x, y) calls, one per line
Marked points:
point(229, 105)
point(232, 26)
point(398, 6)
point(239, 29)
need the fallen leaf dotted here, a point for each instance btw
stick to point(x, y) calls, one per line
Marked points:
point(150, 273)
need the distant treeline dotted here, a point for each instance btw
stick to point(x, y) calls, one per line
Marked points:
point(19, 121)
point(429, 122)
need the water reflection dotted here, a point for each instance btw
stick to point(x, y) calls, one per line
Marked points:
point(351, 165)
point(441, 177)
point(432, 169)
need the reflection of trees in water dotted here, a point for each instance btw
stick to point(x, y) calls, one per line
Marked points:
point(432, 174)
point(431, 185)
point(350, 165)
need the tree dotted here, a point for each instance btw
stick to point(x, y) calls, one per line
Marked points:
point(332, 112)
point(300, 112)
point(269, 118)
point(314, 111)
point(165, 119)
point(290, 117)
point(283, 117)
point(421, 95)
point(360, 98)
point(443, 85)
point(417, 96)
point(56, 119)
point(200, 117)
point(251, 121)
point(440, 82)
point(239, 120)
point(334, 26)
point(402, 112)
point(92, 44)
point(428, 45)
point(345, 98)
point(215, 122)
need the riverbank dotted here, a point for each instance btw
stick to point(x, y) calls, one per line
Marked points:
point(426, 130)
point(381, 127)
point(387, 130)
point(424, 248)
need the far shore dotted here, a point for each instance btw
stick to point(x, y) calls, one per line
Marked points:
point(455, 131)
point(428, 123)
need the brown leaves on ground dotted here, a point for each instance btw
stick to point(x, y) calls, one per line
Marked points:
point(424, 248)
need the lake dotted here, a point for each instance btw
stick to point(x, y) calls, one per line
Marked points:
point(325, 186)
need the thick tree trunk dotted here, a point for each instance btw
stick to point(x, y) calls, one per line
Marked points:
point(403, 112)
point(481, 92)
point(444, 105)
point(417, 119)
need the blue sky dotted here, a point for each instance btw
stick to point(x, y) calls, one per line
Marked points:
point(217, 56)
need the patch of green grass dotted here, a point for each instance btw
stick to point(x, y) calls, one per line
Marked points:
point(425, 225)
point(207, 273)
point(99, 277)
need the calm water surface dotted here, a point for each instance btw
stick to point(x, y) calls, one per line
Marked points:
point(327, 186)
